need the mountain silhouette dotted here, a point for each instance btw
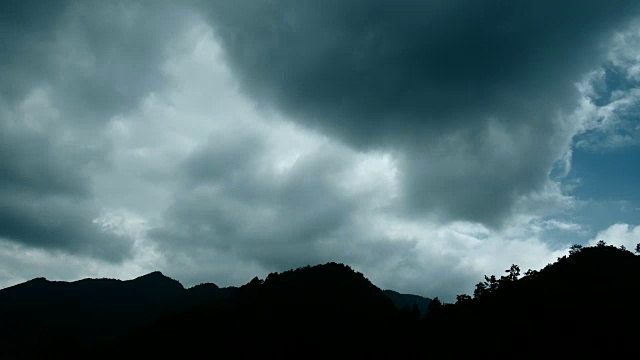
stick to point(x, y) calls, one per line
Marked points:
point(89, 312)
point(284, 315)
point(406, 301)
point(583, 305)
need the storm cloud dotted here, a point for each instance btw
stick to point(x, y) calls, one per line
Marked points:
point(424, 143)
point(453, 85)
point(68, 68)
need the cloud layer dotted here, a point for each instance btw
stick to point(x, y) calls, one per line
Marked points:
point(424, 143)
point(470, 94)
point(68, 69)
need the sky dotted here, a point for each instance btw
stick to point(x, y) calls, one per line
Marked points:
point(423, 143)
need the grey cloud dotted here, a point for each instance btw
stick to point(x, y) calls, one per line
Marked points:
point(46, 192)
point(466, 97)
point(101, 57)
point(233, 202)
point(368, 70)
point(480, 175)
point(55, 223)
point(109, 54)
point(69, 67)
point(31, 163)
point(234, 211)
point(26, 37)
point(415, 74)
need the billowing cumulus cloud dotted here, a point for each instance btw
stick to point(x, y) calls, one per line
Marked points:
point(619, 235)
point(470, 92)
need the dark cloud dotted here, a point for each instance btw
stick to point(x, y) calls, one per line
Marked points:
point(428, 77)
point(370, 70)
point(109, 54)
point(68, 67)
point(444, 108)
point(480, 174)
point(45, 187)
point(32, 163)
point(56, 223)
point(100, 57)
point(26, 37)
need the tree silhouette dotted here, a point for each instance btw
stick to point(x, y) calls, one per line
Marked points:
point(601, 243)
point(513, 271)
point(435, 306)
point(481, 289)
point(530, 273)
point(492, 282)
point(574, 249)
point(638, 248)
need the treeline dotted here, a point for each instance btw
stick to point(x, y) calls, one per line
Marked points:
point(581, 305)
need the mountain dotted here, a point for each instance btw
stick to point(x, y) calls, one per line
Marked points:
point(79, 317)
point(302, 313)
point(406, 301)
point(583, 305)
point(580, 306)
point(90, 311)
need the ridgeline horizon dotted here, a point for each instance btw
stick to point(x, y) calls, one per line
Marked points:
point(583, 294)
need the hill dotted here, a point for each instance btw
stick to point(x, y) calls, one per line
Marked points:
point(307, 312)
point(89, 312)
point(583, 305)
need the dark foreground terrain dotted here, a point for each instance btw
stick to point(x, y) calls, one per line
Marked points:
point(585, 304)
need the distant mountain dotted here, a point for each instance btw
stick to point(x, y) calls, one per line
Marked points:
point(406, 301)
point(91, 311)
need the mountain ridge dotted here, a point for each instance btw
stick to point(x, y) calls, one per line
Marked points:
point(399, 299)
point(330, 310)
